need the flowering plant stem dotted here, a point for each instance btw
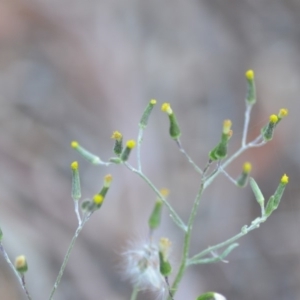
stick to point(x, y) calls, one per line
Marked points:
point(21, 278)
point(245, 229)
point(187, 239)
point(206, 180)
point(173, 214)
point(135, 292)
point(67, 256)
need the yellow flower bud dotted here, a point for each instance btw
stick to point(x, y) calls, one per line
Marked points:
point(247, 167)
point(98, 199)
point(283, 112)
point(116, 135)
point(74, 165)
point(165, 192)
point(249, 74)
point(227, 126)
point(166, 107)
point(107, 180)
point(74, 144)
point(21, 264)
point(130, 144)
point(284, 179)
point(273, 118)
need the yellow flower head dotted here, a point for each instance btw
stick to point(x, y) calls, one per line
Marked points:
point(166, 107)
point(130, 144)
point(116, 135)
point(283, 112)
point(273, 119)
point(107, 180)
point(74, 165)
point(284, 179)
point(74, 144)
point(247, 167)
point(20, 262)
point(226, 126)
point(165, 192)
point(98, 199)
point(153, 101)
point(164, 247)
point(249, 74)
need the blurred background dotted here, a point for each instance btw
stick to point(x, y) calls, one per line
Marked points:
point(78, 70)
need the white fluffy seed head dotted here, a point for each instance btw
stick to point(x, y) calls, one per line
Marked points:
point(142, 268)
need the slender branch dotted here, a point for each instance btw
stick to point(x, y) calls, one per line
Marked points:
point(246, 229)
point(187, 239)
point(66, 259)
point(135, 292)
point(255, 143)
point(198, 170)
point(24, 287)
point(173, 214)
point(139, 143)
point(224, 165)
point(228, 176)
point(169, 288)
point(246, 123)
point(214, 258)
point(76, 208)
point(4, 253)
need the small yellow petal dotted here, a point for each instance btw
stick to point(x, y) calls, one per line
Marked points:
point(74, 144)
point(226, 126)
point(98, 199)
point(74, 165)
point(166, 107)
point(165, 192)
point(247, 167)
point(116, 135)
point(283, 112)
point(249, 74)
point(130, 144)
point(273, 118)
point(285, 179)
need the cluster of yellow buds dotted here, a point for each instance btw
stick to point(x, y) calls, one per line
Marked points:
point(274, 200)
point(268, 130)
point(97, 201)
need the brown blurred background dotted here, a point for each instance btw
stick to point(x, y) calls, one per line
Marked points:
point(82, 69)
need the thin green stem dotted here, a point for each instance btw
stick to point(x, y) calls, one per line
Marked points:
point(246, 229)
point(19, 277)
point(135, 292)
point(4, 253)
point(224, 165)
point(139, 143)
point(173, 214)
point(198, 170)
point(76, 208)
point(246, 123)
point(187, 239)
point(66, 259)
point(25, 287)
